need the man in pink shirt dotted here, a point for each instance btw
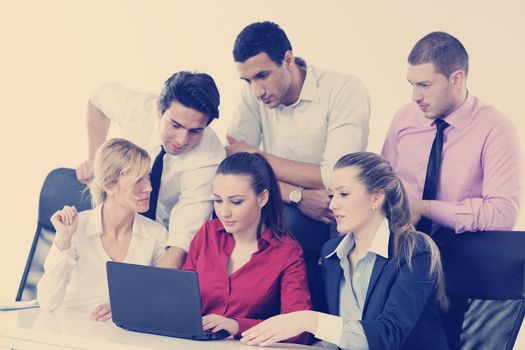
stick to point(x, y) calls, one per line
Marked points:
point(459, 159)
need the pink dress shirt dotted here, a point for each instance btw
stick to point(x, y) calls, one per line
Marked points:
point(481, 171)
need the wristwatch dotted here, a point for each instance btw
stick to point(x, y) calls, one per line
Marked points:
point(296, 195)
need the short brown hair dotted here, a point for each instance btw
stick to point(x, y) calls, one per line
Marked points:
point(444, 51)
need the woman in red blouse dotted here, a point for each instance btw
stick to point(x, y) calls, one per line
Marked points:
point(249, 267)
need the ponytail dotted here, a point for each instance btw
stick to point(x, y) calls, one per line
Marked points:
point(262, 178)
point(377, 175)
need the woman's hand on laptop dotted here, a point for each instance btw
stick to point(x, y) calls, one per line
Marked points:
point(215, 323)
point(101, 313)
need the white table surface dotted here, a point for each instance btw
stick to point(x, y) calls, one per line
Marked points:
point(39, 330)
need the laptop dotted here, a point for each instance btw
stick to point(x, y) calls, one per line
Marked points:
point(156, 300)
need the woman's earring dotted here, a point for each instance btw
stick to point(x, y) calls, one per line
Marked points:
point(373, 207)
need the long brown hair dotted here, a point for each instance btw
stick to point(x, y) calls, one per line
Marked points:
point(376, 174)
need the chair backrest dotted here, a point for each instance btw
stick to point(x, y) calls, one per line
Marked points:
point(60, 188)
point(485, 282)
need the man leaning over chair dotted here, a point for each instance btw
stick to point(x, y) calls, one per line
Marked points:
point(185, 151)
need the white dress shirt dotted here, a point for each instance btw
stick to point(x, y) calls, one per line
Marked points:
point(346, 330)
point(185, 197)
point(76, 278)
point(329, 120)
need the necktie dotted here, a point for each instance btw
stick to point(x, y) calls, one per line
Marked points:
point(433, 171)
point(156, 173)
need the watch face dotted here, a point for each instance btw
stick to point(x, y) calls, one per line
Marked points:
point(295, 196)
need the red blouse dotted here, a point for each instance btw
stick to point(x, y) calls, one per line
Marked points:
point(272, 282)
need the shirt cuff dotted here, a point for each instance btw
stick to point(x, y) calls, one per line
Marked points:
point(246, 323)
point(56, 257)
point(329, 328)
point(444, 213)
point(353, 336)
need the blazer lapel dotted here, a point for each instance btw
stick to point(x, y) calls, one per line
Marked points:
point(332, 273)
point(377, 270)
point(333, 278)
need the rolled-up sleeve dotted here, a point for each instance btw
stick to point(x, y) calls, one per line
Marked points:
point(134, 112)
point(246, 122)
point(348, 124)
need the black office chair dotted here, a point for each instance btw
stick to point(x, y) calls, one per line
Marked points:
point(485, 281)
point(60, 188)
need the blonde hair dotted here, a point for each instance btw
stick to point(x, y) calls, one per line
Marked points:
point(116, 159)
point(377, 175)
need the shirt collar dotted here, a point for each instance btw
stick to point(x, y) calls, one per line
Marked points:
point(379, 244)
point(94, 223)
point(309, 90)
point(267, 237)
point(461, 117)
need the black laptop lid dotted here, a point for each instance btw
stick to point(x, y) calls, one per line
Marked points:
point(155, 300)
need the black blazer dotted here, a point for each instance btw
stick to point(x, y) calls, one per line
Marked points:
point(400, 310)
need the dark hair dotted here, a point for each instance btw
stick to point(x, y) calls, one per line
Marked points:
point(445, 52)
point(260, 37)
point(262, 178)
point(376, 174)
point(193, 90)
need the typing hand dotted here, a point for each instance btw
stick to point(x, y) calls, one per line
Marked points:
point(314, 204)
point(65, 222)
point(85, 172)
point(216, 322)
point(280, 327)
point(236, 146)
point(101, 313)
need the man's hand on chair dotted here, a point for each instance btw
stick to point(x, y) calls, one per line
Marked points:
point(85, 172)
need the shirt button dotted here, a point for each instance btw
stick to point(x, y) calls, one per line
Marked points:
point(357, 274)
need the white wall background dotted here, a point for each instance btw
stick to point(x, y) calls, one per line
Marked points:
point(55, 52)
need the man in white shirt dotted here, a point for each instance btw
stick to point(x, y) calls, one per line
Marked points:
point(173, 127)
point(306, 119)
